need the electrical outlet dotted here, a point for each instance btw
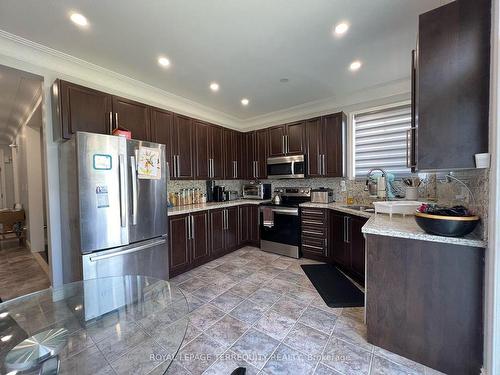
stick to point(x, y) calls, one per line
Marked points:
point(343, 186)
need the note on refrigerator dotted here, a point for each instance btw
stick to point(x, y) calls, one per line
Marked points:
point(148, 163)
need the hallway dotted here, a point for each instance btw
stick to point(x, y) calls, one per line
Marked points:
point(20, 273)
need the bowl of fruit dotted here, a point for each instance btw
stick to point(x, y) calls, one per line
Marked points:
point(455, 221)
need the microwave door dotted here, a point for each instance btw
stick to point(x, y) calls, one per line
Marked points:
point(147, 196)
point(102, 191)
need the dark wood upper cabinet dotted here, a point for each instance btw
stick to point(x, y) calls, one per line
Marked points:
point(314, 147)
point(325, 139)
point(232, 141)
point(261, 152)
point(78, 108)
point(451, 90)
point(277, 140)
point(287, 139)
point(161, 132)
point(217, 152)
point(295, 138)
point(334, 144)
point(179, 244)
point(182, 147)
point(202, 145)
point(132, 116)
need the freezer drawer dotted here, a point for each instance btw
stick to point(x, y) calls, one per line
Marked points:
point(146, 258)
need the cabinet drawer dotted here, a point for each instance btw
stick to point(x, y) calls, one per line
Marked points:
point(313, 232)
point(314, 214)
point(314, 241)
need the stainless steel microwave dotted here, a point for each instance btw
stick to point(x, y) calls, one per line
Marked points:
point(257, 191)
point(286, 167)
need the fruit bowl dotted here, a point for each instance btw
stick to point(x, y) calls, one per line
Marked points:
point(449, 226)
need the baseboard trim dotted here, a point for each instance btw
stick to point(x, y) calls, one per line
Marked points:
point(42, 263)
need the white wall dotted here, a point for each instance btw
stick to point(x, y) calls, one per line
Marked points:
point(8, 177)
point(28, 169)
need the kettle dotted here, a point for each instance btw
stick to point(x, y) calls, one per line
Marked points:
point(276, 199)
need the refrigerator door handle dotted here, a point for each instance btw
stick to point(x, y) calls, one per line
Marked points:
point(133, 176)
point(123, 203)
point(127, 251)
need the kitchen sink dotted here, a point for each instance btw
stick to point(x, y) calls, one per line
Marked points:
point(360, 208)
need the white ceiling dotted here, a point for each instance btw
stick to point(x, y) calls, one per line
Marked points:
point(246, 46)
point(18, 94)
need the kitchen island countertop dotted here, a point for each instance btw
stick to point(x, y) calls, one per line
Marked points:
point(406, 227)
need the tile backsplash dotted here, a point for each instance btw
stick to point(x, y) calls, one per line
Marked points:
point(433, 189)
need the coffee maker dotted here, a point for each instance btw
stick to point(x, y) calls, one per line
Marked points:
point(210, 190)
point(219, 193)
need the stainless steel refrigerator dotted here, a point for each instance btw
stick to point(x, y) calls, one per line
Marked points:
point(114, 215)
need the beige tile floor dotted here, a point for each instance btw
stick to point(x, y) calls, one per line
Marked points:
point(260, 311)
point(20, 273)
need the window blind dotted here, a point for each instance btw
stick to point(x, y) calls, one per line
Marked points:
point(380, 140)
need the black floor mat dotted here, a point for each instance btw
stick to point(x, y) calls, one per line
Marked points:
point(335, 289)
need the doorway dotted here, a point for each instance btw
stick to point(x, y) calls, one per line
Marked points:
point(23, 243)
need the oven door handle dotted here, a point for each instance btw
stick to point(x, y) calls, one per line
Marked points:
point(284, 211)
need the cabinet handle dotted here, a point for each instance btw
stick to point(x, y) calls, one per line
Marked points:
point(312, 222)
point(110, 122)
point(344, 229)
point(188, 228)
point(116, 120)
point(323, 168)
point(192, 227)
point(283, 144)
point(347, 230)
point(311, 232)
point(313, 247)
point(236, 167)
point(287, 144)
point(178, 166)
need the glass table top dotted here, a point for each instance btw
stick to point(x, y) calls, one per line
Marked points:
point(131, 324)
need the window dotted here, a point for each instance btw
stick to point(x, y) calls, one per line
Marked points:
point(379, 140)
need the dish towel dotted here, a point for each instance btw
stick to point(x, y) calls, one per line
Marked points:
point(268, 216)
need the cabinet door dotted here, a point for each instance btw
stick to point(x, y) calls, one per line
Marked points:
point(249, 157)
point(133, 116)
point(253, 224)
point(217, 232)
point(183, 147)
point(229, 154)
point(340, 253)
point(240, 151)
point(277, 140)
point(178, 245)
point(334, 138)
point(232, 228)
point(161, 132)
point(313, 142)
point(82, 109)
point(201, 150)
point(295, 138)
point(357, 245)
point(200, 242)
point(261, 152)
point(217, 153)
point(244, 212)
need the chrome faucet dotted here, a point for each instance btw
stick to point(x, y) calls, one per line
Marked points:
point(384, 174)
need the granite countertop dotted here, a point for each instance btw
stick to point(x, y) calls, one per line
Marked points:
point(406, 227)
point(337, 206)
point(179, 210)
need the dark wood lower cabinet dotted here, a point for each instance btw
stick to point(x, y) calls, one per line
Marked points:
point(425, 302)
point(347, 244)
point(199, 237)
point(314, 233)
point(179, 245)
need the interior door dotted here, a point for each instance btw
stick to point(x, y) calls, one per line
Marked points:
point(147, 197)
point(133, 116)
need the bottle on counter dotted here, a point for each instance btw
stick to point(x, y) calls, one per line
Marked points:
point(203, 198)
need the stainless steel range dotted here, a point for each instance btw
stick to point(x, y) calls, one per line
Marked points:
point(280, 223)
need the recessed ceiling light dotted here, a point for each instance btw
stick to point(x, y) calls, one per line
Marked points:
point(79, 19)
point(214, 86)
point(284, 80)
point(355, 65)
point(163, 61)
point(3, 315)
point(6, 338)
point(245, 101)
point(341, 28)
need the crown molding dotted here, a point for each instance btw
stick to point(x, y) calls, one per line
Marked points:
point(381, 94)
point(24, 54)
point(66, 66)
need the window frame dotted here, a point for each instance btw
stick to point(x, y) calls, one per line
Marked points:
point(351, 137)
